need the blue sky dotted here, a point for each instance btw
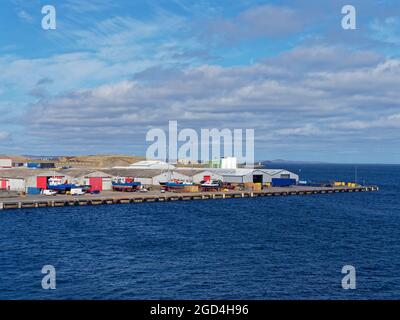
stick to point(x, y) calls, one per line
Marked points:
point(112, 70)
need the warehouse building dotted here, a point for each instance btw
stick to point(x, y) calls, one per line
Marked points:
point(262, 176)
point(24, 179)
point(199, 175)
point(11, 180)
point(6, 163)
point(31, 181)
point(39, 178)
point(149, 165)
point(275, 174)
point(98, 180)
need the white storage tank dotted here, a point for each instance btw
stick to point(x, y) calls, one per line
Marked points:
point(229, 163)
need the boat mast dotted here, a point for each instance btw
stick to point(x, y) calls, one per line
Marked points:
point(355, 174)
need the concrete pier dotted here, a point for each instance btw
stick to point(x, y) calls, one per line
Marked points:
point(108, 197)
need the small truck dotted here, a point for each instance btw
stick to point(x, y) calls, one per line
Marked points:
point(77, 192)
point(48, 192)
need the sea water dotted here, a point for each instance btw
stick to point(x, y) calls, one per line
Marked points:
point(259, 248)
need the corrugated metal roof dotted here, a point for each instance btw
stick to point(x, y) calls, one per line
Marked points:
point(234, 172)
point(151, 165)
point(139, 173)
point(190, 172)
point(26, 173)
point(14, 174)
point(272, 172)
point(240, 172)
point(77, 173)
point(134, 173)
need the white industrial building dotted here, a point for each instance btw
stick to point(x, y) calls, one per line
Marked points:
point(280, 174)
point(98, 179)
point(12, 182)
point(198, 175)
point(21, 179)
point(187, 161)
point(6, 163)
point(149, 165)
point(254, 175)
point(229, 163)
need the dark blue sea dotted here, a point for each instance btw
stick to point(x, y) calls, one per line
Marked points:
point(262, 248)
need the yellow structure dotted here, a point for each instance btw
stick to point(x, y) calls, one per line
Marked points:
point(191, 189)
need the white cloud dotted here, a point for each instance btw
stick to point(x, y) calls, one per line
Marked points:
point(110, 50)
point(272, 97)
point(4, 135)
point(259, 21)
point(25, 16)
point(307, 130)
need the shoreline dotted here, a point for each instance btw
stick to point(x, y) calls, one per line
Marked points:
point(109, 197)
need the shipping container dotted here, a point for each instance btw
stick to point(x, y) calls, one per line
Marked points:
point(278, 182)
point(33, 165)
point(33, 190)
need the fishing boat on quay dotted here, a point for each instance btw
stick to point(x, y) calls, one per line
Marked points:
point(125, 184)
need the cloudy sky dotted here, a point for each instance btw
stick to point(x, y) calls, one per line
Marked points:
point(112, 70)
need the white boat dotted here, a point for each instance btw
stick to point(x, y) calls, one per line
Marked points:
point(210, 184)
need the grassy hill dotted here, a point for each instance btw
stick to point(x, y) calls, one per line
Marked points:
point(90, 161)
point(97, 161)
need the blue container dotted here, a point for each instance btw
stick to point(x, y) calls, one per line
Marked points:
point(279, 182)
point(33, 190)
point(33, 165)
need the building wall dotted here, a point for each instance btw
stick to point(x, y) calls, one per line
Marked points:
point(3, 183)
point(17, 185)
point(5, 163)
point(107, 184)
point(229, 163)
point(144, 181)
point(248, 178)
point(30, 182)
point(13, 184)
point(279, 175)
point(266, 177)
point(79, 180)
point(233, 179)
